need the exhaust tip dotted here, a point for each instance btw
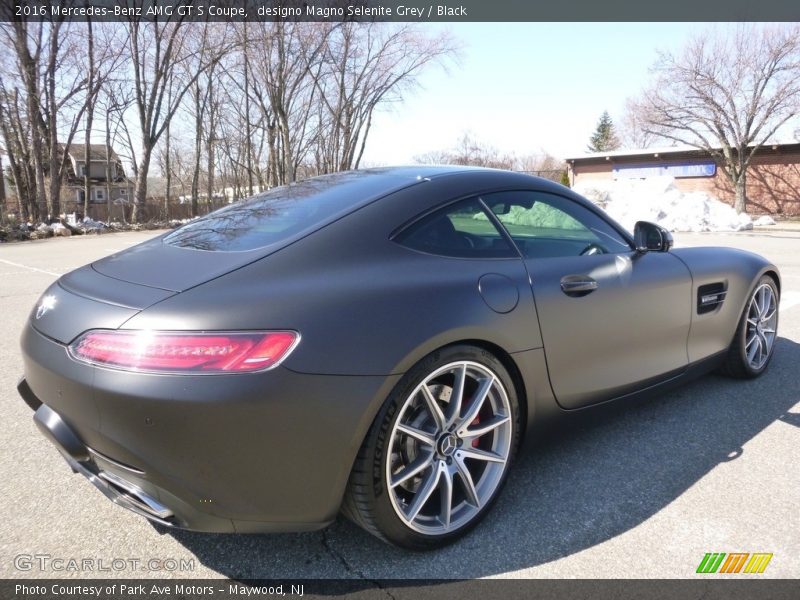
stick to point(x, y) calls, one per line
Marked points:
point(135, 495)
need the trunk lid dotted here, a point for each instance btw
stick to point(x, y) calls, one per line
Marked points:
point(84, 299)
point(107, 293)
point(171, 268)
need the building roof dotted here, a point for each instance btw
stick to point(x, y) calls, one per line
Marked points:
point(671, 151)
point(97, 152)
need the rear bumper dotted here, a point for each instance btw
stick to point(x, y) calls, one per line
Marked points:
point(121, 490)
point(115, 488)
point(241, 453)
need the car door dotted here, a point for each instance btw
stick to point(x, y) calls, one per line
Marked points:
point(613, 320)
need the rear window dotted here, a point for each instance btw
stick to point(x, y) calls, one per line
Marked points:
point(280, 215)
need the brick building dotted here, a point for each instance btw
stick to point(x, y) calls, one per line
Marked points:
point(773, 179)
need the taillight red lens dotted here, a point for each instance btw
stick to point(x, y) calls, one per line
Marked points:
point(173, 352)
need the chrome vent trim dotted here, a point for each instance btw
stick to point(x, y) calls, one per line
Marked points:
point(710, 296)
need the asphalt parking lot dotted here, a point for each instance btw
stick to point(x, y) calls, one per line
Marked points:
point(642, 491)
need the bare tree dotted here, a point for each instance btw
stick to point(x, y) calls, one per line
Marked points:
point(284, 92)
point(27, 64)
point(91, 95)
point(211, 134)
point(634, 133)
point(51, 70)
point(167, 170)
point(114, 101)
point(248, 123)
point(366, 65)
point(17, 146)
point(298, 99)
point(727, 94)
point(2, 186)
point(471, 152)
point(542, 164)
point(181, 164)
point(200, 99)
point(240, 142)
point(102, 63)
point(160, 52)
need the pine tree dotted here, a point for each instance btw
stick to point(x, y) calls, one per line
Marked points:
point(604, 137)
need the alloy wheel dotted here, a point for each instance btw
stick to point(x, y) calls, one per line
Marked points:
point(762, 319)
point(449, 448)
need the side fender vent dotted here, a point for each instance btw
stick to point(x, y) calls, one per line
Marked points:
point(710, 296)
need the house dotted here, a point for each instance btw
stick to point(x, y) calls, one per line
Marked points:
point(120, 186)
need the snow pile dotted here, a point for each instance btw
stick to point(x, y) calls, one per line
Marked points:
point(89, 225)
point(764, 221)
point(42, 231)
point(658, 200)
point(61, 230)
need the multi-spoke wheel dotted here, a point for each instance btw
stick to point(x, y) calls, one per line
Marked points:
point(439, 452)
point(762, 322)
point(754, 342)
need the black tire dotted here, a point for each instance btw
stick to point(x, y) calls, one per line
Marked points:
point(737, 362)
point(374, 505)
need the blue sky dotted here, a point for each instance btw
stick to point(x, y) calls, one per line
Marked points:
point(525, 87)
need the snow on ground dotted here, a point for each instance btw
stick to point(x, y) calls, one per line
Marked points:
point(656, 199)
point(764, 221)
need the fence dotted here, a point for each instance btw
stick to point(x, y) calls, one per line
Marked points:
point(153, 210)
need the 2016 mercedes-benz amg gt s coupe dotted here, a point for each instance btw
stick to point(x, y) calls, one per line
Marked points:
point(376, 342)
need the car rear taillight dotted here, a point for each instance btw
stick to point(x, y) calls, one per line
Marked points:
point(179, 352)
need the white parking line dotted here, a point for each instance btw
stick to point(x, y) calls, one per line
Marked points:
point(13, 264)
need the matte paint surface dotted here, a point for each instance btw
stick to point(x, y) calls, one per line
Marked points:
point(273, 450)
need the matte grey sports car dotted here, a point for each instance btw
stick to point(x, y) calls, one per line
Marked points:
point(377, 342)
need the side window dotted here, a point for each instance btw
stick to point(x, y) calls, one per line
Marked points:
point(546, 225)
point(462, 230)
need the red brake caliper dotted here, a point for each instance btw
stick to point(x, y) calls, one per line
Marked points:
point(476, 440)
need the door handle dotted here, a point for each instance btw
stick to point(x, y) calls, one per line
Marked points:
point(578, 285)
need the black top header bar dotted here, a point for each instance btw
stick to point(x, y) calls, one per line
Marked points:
point(454, 11)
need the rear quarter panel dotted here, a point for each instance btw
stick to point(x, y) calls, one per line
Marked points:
point(367, 306)
point(363, 304)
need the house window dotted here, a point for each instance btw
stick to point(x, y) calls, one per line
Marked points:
point(99, 195)
point(82, 170)
point(123, 192)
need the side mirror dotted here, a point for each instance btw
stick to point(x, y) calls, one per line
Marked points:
point(649, 236)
